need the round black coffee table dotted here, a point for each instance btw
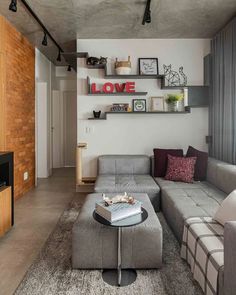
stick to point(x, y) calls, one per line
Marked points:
point(121, 277)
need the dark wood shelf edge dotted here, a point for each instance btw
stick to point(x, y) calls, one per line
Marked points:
point(199, 106)
point(187, 111)
point(96, 67)
point(97, 118)
point(134, 77)
point(148, 113)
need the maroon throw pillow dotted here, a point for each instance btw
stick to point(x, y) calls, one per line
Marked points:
point(180, 169)
point(201, 163)
point(160, 160)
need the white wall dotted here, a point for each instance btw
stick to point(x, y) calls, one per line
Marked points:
point(49, 78)
point(65, 82)
point(43, 76)
point(58, 81)
point(139, 134)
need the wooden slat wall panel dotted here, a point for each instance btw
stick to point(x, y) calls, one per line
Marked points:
point(5, 210)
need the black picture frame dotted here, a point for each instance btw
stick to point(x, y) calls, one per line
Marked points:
point(152, 73)
point(139, 111)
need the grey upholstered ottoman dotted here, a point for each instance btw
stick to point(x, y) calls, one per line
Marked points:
point(94, 246)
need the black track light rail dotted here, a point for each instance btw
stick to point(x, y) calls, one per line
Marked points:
point(42, 25)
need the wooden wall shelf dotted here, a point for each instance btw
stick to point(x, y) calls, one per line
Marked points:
point(198, 95)
point(95, 67)
point(142, 77)
point(187, 111)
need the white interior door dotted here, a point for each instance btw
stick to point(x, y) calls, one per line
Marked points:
point(70, 128)
point(57, 130)
point(42, 166)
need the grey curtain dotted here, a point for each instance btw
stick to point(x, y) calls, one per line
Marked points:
point(223, 95)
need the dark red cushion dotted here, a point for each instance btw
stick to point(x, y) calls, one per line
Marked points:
point(201, 163)
point(180, 169)
point(160, 160)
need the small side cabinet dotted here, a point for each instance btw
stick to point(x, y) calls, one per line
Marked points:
point(5, 209)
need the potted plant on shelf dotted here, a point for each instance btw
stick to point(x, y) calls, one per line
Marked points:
point(172, 101)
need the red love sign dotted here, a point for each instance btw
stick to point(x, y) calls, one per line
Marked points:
point(109, 87)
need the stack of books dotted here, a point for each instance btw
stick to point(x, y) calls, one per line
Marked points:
point(118, 211)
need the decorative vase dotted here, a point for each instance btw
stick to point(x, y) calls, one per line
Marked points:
point(180, 105)
point(123, 67)
point(173, 107)
point(97, 114)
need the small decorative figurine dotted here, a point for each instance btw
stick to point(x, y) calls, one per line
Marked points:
point(103, 60)
point(97, 114)
point(173, 78)
point(118, 199)
point(96, 61)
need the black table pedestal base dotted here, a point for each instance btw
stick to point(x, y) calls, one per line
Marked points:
point(128, 276)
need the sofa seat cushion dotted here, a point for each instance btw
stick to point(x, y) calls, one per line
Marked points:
point(163, 183)
point(126, 183)
point(182, 203)
point(129, 184)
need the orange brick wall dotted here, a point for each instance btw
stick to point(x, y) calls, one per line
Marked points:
point(19, 100)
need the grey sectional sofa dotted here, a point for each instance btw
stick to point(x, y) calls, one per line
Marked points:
point(177, 200)
point(182, 200)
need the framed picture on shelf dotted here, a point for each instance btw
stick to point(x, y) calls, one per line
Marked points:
point(139, 105)
point(157, 104)
point(148, 66)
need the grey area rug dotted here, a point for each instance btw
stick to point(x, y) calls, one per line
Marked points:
point(51, 273)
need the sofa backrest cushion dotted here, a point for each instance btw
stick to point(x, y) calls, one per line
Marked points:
point(124, 164)
point(222, 175)
point(161, 160)
point(201, 163)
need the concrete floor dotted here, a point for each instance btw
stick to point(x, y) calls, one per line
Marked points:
point(36, 215)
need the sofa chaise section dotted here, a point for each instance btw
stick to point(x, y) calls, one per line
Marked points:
point(127, 173)
point(180, 201)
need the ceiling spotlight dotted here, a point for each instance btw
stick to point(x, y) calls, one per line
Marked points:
point(45, 40)
point(13, 5)
point(69, 68)
point(59, 55)
point(147, 13)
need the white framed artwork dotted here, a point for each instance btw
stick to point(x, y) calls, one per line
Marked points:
point(157, 104)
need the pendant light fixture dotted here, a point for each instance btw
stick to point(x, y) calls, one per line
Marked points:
point(59, 56)
point(45, 40)
point(13, 5)
point(147, 14)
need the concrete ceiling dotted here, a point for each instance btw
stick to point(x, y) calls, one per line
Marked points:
point(70, 19)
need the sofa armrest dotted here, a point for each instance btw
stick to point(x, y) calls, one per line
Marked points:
point(230, 258)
